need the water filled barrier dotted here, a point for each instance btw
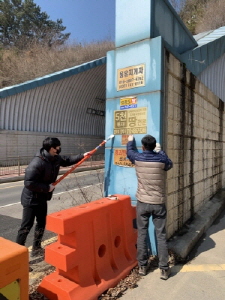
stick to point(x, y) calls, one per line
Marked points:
point(96, 248)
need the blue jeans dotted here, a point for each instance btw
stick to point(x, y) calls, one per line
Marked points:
point(158, 213)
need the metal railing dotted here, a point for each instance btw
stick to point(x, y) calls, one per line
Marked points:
point(17, 165)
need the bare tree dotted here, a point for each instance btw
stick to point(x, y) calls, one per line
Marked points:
point(192, 12)
point(213, 16)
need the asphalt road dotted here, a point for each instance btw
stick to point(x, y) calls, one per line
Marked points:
point(77, 188)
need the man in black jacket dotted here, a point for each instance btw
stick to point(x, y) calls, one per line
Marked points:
point(39, 176)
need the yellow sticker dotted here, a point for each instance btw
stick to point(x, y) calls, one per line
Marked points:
point(124, 139)
point(128, 102)
point(120, 158)
point(10, 291)
point(131, 77)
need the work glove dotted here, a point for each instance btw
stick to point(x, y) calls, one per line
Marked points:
point(130, 138)
point(51, 187)
point(157, 148)
point(86, 153)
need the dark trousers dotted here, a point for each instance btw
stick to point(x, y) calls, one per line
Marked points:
point(29, 214)
point(158, 213)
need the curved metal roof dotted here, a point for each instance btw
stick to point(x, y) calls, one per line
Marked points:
point(37, 82)
point(63, 102)
point(209, 36)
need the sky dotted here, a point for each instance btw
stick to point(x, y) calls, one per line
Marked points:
point(86, 20)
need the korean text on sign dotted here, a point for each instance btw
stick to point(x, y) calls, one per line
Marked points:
point(120, 158)
point(131, 77)
point(132, 121)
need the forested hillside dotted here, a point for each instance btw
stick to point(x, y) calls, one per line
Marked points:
point(32, 45)
point(201, 15)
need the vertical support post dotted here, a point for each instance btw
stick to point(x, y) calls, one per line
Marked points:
point(134, 94)
point(18, 165)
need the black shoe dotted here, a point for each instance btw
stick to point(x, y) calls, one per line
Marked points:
point(165, 274)
point(142, 270)
point(37, 252)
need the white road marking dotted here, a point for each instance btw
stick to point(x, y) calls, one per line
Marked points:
point(11, 186)
point(21, 182)
point(11, 204)
point(84, 187)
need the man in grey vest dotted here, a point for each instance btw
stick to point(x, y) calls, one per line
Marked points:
point(150, 166)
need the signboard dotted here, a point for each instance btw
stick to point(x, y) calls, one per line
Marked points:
point(130, 77)
point(128, 102)
point(120, 158)
point(131, 121)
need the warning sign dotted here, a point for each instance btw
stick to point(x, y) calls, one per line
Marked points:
point(130, 77)
point(131, 121)
point(120, 158)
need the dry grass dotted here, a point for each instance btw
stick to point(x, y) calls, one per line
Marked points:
point(213, 16)
point(20, 66)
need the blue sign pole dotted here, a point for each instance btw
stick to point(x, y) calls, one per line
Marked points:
point(133, 97)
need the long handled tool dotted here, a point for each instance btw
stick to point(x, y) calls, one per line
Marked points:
point(82, 160)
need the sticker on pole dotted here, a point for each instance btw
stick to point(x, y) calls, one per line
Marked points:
point(120, 158)
point(128, 102)
point(131, 77)
point(124, 139)
point(131, 121)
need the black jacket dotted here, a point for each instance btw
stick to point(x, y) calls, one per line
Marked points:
point(40, 173)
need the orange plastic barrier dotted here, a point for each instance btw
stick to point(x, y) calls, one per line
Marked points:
point(96, 248)
point(14, 271)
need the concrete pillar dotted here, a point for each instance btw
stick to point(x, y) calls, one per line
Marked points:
point(134, 94)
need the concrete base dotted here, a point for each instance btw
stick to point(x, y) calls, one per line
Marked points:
point(181, 244)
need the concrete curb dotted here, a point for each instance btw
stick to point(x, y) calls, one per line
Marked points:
point(182, 244)
point(80, 169)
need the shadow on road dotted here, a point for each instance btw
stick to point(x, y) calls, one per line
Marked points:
point(9, 227)
point(206, 242)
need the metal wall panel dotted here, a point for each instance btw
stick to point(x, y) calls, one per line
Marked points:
point(211, 46)
point(214, 77)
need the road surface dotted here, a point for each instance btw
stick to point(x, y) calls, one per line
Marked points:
point(77, 188)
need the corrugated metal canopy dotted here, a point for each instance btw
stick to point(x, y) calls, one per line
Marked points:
point(214, 77)
point(69, 102)
point(207, 60)
point(209, 36)
point(211, 46)
point(37, 82)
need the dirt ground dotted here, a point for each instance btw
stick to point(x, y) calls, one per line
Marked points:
point(129, 282)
